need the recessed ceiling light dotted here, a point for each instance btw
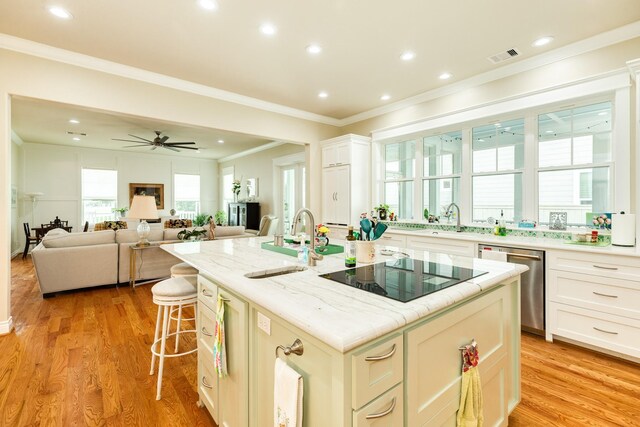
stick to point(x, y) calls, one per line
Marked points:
point(481, 140)
point(221, 141)
point(197, 151)
point(75, 138)
point(60, 12)
point(444, 76)
point(542, 41)
point(208, 4)
point(314, 49)
point(268, 29)
point(602, 113)
point(548, 131)
point(407, 56)
point(385, 97)
point(323, 94)
point(498, 125)
point(74, 121)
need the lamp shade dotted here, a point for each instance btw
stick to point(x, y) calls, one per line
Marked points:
point(143, 207)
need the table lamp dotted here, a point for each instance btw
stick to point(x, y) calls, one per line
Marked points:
point(143, 208)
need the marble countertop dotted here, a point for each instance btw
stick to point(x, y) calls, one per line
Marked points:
point(519, 241)
point(341, 316)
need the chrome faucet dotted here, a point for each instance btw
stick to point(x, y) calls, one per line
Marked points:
point(458, 227)
point(313, 256)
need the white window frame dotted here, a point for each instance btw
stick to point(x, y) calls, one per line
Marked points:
point(82, 198)
point(454, 175)
point(198, 201)
point(416, 212)
point(229, 170)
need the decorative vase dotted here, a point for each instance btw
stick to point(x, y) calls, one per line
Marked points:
point(172, 212)
point(321, 242)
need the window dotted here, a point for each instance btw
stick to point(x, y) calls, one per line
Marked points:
point(99, 195)
point(574, 156)
point(399, 163)
point(187, 195)
point(498, 163)
point(441, 171)
point(227, 188)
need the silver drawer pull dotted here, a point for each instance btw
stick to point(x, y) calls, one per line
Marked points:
point(523, 256)
point(383, 413)
point(205, 293)
point(205, 332)
point(205, 383)
point(384, 356)
point(605, 295)
point(606, 332)
point(604, 268)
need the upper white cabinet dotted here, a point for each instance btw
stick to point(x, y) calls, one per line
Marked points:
point(346, 179)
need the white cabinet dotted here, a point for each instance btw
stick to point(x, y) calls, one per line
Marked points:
point(439, 244)
point(226, 398)
point(346, 179)
point(594, 300)
point(336, 154)
point(392, 239)
point(337, 195)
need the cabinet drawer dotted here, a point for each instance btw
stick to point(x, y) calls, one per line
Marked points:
point(387, 410)
point(600, 329)
point(206, 328)
point(390, 239)
point(207, 293)
point(437, 244)
point(208, 388)
point(604, 294)
point(626, 268)
point(376, 370)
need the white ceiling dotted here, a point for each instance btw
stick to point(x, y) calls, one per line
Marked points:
point(361, 40)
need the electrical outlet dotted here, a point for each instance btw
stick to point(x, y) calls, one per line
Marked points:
point(264, 323)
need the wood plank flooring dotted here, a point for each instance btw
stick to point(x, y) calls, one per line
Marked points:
point(82, 359)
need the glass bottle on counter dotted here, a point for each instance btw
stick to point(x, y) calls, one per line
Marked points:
point(502, 224)
point(350, 249)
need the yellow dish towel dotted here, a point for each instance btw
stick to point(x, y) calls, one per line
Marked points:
point(470, 410)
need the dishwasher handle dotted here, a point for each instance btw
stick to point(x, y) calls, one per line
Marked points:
point(524, 256)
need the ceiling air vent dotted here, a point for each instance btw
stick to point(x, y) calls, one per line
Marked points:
point(503, 56)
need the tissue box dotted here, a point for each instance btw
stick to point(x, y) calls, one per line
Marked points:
point(527, 224)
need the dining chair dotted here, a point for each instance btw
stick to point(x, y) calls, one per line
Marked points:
point(86, 227)
point(29, 239)
point(44, 229)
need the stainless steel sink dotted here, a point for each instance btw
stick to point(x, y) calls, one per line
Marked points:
point(275, 272)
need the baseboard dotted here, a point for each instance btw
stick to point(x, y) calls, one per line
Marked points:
point(16, 253)
point(6, 326)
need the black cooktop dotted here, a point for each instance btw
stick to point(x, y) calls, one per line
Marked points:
point(403, 279)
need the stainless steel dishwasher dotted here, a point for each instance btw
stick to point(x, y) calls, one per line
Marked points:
point(531, 284)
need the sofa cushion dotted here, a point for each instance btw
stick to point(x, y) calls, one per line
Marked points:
point(232, 230)
point(110, 225)
point(78, 239)
point(178, 223)
point(57, 232)
point(131, 236)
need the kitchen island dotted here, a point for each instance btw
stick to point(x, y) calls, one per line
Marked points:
point(364, 354)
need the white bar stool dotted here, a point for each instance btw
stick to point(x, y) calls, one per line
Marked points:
point(191, 274)
point(167, 294)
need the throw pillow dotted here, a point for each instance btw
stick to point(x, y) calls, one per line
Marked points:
point(179, 223)
point(115, 225)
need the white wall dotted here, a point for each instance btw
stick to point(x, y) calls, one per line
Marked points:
point(55, 171)
point(260, 165)
point(17, 235)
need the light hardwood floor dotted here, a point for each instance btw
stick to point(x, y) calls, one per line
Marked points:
point(82, 358)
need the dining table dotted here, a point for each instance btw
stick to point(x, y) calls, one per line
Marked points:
point(41, 231)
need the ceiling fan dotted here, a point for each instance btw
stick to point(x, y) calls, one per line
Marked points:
point(158, 141)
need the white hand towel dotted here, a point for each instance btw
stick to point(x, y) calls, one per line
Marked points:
point(287, 396)
point(494, 255)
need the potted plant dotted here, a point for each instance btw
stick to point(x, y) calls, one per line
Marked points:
point(121, 211)
point(220, 217)
point(382, 211)
point(201, 220)
point(191, 234)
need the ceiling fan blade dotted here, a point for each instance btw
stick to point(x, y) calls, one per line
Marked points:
point(153, 148)
point(130, 140)
point(169, 148)
point(139, 137)
point(179, 143)
point(164, 139)
point(137, 146)
point(186, 148)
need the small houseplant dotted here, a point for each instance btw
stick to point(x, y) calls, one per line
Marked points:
point(220, 217)
point(191, 234)
point(121, 211)
point(382, 211)
point(201, 220)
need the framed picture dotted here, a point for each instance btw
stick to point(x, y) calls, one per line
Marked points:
point(252, 187)
point(557, 220)
point(155, 190)
point(14, 197)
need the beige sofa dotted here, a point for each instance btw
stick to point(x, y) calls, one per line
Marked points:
point(65, 261)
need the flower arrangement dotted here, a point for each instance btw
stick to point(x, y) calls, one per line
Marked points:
point(236, 186)
point(602, 221)
point(322, 230)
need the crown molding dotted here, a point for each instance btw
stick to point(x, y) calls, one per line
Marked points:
point(41, 50)
point(16, 138)
point(599, 41)
point(634, 68)
point(251, 151)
